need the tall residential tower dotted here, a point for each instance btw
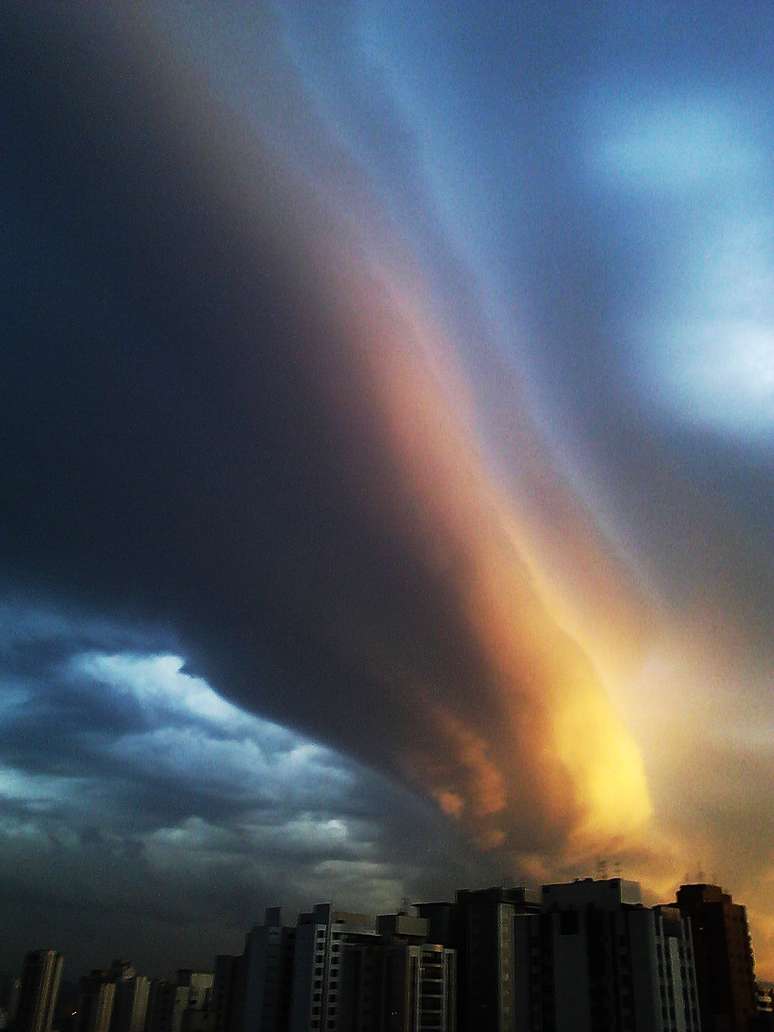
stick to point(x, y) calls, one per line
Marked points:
point(41, 975)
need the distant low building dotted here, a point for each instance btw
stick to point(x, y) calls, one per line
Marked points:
point(11, 999)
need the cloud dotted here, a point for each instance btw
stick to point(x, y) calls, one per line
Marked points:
point(314, 524)
point(265, 419)
point(190, 819)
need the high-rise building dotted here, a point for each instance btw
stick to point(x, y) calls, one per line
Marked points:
point(419, 988)
point(396, 981)
point(268, 975)
point(228, 992)
point(724, 959)
point(96, 996)
point(40, 979)
point(480, 926)
point(181, 1004)
point(324, 939)
point(130, 1004)
point(596, 959)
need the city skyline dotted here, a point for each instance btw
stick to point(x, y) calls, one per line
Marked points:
point(388, 392)
point(581, 956)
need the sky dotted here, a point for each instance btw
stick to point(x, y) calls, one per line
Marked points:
point(387, 394)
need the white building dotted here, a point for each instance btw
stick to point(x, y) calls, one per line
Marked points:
point(323, 938)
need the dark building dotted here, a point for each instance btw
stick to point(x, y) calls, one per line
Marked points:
point(130, 1004)
point(96, 996)
point(228, 993)
point(180, 1005)
point(38, 992)
point(419, 988)
point(597, 960)
point(398, 982)
point(267, 975)
point(480, 926)
point(723, 956)
point(10, 998)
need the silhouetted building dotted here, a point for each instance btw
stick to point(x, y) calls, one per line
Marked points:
point(96, 995)
point(11, 999)
point(596, 960)
point(130, 1003)
point(479, 925)
point(180, 1005)
point(228, 992)
point(40, 979)
point(764, 1018)
point(724, 959)
point(268, 974)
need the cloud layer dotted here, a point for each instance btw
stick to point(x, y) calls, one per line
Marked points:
point(346, 376)
point(141, 810)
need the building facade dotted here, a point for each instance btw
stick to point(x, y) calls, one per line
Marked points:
point(38, 991)
point(268, 971)
point(595, 960)
point(419, 988)
point(724, 959)
point(480, 926)
point(96, 996)
point(324, 944)
point(181, 1004)
point(228, 992)
point(130, 1004)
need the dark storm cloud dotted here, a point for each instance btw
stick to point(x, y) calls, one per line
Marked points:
point(202, 441)
point(155, 397)
point(167, 834)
